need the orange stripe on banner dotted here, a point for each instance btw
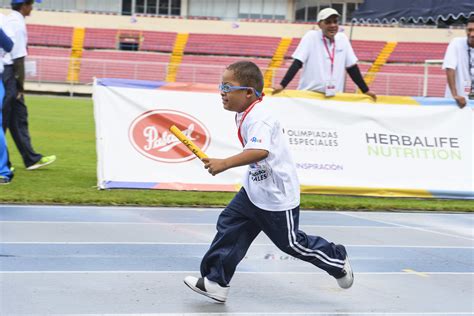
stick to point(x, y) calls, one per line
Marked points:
point(196, 187)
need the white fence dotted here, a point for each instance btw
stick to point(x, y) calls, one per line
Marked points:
point(55, 70)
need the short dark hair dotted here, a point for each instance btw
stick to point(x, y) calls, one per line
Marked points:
point(17, 6)
point(471, 19)
point(247, 74)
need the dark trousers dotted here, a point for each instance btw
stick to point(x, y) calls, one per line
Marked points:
point(240, 223)
point(15, 119)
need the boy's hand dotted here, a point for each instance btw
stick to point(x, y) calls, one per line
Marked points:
point(215, 166)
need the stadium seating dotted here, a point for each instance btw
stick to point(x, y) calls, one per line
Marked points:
point(208, 69)
point(53, 36)
point(101, 38)
point(158, 41)
point(232, 45)
point(123, 64)
point(404, 80)
point(206, 55)
point(417, 52)
point(294, 43)
point(367, 50)
point(51, 64)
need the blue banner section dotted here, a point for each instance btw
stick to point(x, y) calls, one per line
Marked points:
point(129, 185)
point(127, 83)
point(439, 101)
point(468, 195)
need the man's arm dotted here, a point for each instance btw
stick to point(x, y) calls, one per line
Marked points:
point(290, 74)
point(19, 71)
point(247, 157)
point(451, 77)
point(356, 76)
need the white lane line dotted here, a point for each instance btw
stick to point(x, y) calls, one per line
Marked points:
point(207, 244)
point(107, 223)
point(120, 208)
point(212, 209)
point(239, 272)
point(276, 313)
point(283, 313)
point(408, 227)
point(411, 271)
point(181, 224)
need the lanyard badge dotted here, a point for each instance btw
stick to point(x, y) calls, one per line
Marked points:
point(330, 85)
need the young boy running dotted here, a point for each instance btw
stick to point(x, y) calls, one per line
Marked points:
point(270, 197)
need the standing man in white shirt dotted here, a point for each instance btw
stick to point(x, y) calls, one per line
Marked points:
point(15, 113)
point(6, 45)
point(459, 66)
point(325, 55)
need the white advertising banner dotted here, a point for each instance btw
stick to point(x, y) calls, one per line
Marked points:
point(342, 145)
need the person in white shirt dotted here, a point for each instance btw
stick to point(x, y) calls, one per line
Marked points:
point(270, 198)
point(459, 65)
point(15, 113)
point(6, 45)
point(325, 56)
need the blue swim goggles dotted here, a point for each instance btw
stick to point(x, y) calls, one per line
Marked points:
point(226, 88)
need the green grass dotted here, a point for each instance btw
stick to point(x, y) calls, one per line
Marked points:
point(65, 127)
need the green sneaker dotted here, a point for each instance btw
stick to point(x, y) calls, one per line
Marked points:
point(43, 162)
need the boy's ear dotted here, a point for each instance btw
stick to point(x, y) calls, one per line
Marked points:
point(250, 92)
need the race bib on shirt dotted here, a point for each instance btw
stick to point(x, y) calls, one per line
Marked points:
point(259, 173)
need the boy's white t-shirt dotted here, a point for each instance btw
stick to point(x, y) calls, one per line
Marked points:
point(312, 52)
point(456, 58)
point(271, 184)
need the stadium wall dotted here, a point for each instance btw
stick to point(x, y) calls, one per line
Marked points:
point(273, 29)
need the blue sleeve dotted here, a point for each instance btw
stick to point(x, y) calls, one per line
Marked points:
point(5, 42)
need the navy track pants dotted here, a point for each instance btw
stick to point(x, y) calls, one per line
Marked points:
point(240, 223)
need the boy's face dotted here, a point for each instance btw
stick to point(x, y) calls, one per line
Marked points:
point(238, 100)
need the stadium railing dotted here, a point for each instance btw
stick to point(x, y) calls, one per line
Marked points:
point(55, 70)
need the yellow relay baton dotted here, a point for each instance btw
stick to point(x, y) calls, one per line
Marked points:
point(186, 141)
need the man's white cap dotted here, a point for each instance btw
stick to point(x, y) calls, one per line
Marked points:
point(325, 13)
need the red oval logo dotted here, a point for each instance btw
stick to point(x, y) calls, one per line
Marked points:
point(150, 135)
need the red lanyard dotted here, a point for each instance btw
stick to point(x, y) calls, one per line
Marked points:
point(331, 56)
point(243, 117)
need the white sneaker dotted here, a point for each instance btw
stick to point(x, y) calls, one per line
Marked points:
point(207, 288)
point(348, 279)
